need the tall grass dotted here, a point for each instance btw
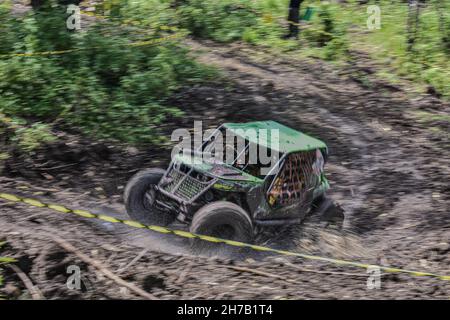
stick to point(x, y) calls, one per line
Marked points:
point(107, 88)
point(111, 90)
point(3, 261)
point(427, 64)
point(335, 28)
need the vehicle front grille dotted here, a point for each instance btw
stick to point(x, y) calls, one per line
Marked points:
point(296, 180)
point(184, 184)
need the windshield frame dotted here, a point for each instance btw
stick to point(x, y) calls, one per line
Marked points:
point(222, 128)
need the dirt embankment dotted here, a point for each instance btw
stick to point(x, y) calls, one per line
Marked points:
point(389, 168)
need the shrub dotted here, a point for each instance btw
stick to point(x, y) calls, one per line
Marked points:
point(29, 139)
point(327, 32)
point(224, 21)
point(106, 87)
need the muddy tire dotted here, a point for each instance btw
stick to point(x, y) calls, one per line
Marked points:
point(139, 196)
point(221, 219)
point(330, 213)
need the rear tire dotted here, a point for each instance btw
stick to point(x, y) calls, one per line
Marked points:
point(221, 219)
point(139, 198)
point(330, 213)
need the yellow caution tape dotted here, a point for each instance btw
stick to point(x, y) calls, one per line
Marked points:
point(86, 214)
point(132, 44)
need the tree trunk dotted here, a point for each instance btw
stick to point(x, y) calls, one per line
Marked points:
point(36, 4)
point(443, 25)
point(177, 3)
point(294, 18)
point(413, 23)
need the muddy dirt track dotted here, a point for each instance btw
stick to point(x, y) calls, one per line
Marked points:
point(389, 168)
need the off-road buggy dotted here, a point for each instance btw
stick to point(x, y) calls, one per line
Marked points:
point(233, 200)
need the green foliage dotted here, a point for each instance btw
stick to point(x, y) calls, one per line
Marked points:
point(427, 64)
point(327, 32)
point(29, 139)
point(224, 21)
point(109, 89)
point(105, 87)
point(259, 22)
point(335, 28)
point(147, 13)
point(4, 260)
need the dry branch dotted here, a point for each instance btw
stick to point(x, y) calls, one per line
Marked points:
point(36, 294)
point(103, 269)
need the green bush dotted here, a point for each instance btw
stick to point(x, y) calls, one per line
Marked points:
point(224, 21)
point(335, 29)
point(327, 32)
point(31, 138)
point(106, 87)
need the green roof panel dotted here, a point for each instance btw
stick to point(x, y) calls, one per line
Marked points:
point(290, 140)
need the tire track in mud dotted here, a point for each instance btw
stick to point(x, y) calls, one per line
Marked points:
point(386, 154)
point(319, 115)
point(365, 153)
point(369, 153)
point(357, 147)
point(315, 112)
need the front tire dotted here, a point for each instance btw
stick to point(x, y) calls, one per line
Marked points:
point(221, 219)
point(139, 197)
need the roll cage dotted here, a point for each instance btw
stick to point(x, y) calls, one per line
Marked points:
point(240, 153)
